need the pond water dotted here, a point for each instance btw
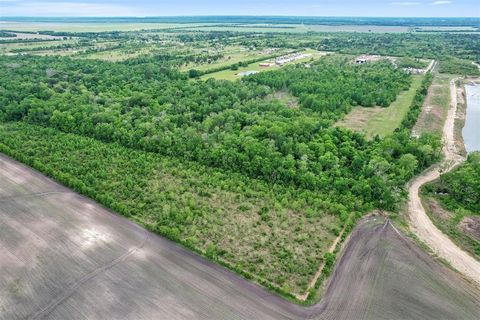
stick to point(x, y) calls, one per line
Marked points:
point(471, 130)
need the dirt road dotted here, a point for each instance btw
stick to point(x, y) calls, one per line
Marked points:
point(421, 224)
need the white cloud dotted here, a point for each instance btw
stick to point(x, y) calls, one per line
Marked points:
point(69, 9)
point(437, 3)
point(405, 3)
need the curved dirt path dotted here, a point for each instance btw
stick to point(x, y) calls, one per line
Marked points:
point(419, 221)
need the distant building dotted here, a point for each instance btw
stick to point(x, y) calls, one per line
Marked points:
point(360, 60)
point(265, 64)
point(246, 73)
point(280, 61)
point(414, 71)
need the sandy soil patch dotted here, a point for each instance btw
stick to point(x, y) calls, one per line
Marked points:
point(436, 209)
point(471, 226)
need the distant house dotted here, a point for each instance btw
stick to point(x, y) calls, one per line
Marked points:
point(265, 64)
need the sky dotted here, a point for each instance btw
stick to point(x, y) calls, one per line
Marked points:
point(365, 8)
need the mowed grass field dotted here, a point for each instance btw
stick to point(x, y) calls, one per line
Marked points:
point(381, 121)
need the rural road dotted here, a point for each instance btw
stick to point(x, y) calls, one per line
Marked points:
point(420, 223)
point(63, 256)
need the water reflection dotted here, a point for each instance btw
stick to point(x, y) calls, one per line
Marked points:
point(471, 130)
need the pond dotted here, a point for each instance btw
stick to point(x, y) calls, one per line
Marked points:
point(471, 130)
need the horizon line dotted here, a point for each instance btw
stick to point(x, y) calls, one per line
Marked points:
point(240, 15)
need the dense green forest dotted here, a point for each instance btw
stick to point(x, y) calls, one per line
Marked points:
point(460, 188)
point(224, 124)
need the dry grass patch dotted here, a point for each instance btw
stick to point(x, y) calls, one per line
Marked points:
point(284, 97)
point(435, 107)
point(471, 226)
point(381, 121)
point(253, 233)
point(436, 209)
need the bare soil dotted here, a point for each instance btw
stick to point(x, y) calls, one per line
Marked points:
point(460, 121)
point(471, 226)
point(62, 256)
point(285, 97)
point(436, 209)
point(383, 275)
